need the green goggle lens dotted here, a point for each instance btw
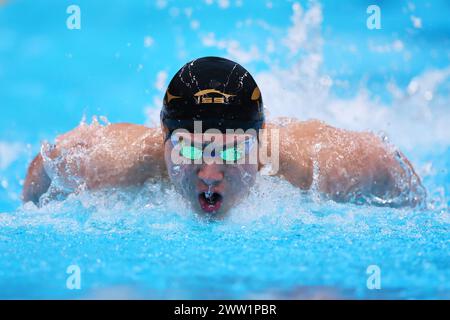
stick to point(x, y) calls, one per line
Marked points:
point(231, 154)
point(191, 152)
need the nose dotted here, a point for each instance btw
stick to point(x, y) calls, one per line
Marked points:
point(211, 174)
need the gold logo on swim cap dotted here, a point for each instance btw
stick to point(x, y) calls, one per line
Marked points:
point(171, 97)
point(203, 96)
point(256, 94)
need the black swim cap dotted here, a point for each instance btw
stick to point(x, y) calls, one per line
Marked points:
point(218, 92)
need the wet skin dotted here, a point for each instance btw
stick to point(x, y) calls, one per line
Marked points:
point(344, 164)
point(212, 186)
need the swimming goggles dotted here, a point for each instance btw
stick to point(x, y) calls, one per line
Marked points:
point(228, 154)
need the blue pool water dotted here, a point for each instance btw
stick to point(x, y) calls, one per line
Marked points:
point(312, 60)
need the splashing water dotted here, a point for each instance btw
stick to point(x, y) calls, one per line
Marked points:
point(280, 242)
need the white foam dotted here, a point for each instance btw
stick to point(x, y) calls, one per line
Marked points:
point(416, 117)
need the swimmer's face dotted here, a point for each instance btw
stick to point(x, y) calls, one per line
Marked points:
point(212, 185)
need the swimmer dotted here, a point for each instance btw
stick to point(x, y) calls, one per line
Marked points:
point(213, 127)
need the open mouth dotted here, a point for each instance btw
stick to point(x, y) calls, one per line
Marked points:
point(210, 202)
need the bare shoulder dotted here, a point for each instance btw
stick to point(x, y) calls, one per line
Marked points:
point(294, 127)
point(115, 134)
point(110, 155)
point(120, 128)
point(97, 156)
point(304, 141)
point(313, 132)
point(296, 141)
point(129, 128)
point(347, 162)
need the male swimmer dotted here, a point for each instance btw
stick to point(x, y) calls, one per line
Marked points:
point(211, 148)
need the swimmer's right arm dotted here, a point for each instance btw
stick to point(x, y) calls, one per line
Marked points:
point(96, 157)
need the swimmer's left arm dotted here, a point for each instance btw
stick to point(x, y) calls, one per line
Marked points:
point(362, 168)
point(347, 166)
point(36, 182)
